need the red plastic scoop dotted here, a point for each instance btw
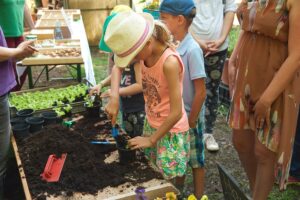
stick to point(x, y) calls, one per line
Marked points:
point(53, 168)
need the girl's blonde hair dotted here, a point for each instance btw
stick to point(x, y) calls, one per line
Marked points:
point(162, 34)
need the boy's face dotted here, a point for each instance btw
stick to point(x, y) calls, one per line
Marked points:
point(170, 21)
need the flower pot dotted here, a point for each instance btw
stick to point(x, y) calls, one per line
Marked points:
point(92, 112)
point(36, 123)
point(16, 120)
point(25, 113)
point(49, 117)
point(126, 156)
point(21, 130)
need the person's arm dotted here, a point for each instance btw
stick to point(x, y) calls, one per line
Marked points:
point(199, 98)
point(22, 51)
point(231, 64)
point(97, 88)
point(136, 87)
point(229, 10)
point(214, 45)
point(171, 71)
point(7, 53)
point(28, 23)
point(112, 108)
point(287, 71)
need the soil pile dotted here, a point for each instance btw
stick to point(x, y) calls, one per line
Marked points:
point(84, 170)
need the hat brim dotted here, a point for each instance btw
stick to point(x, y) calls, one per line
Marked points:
point(124, 61)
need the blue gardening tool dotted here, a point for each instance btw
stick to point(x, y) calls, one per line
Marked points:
point(103, 142)
point(114, 131)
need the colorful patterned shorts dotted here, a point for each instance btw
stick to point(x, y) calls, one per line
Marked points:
point(196, 146)
point(171, 154)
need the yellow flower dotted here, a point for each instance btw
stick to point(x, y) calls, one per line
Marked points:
point(171, 196)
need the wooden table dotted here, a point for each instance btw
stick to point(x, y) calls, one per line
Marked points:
point(50, 64)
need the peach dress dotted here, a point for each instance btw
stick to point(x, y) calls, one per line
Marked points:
point(262, 52)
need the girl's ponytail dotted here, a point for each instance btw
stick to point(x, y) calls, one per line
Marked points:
point(162, 34)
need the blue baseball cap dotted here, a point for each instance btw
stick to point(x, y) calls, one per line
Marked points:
point(177, 7)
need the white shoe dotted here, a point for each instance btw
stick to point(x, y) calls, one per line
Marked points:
point(210, 142)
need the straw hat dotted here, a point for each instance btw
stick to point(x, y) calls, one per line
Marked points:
point(126, 35)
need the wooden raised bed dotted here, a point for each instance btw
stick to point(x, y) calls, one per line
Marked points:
point(154, 187)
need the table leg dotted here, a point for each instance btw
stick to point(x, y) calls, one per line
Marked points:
point(30, 83)
point(47, 72)
point(79, 73)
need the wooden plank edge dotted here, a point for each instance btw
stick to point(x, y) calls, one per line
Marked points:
point(151, 192)
point(21, 169)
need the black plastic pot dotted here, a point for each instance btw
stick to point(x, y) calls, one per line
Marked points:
point(49, 117)
point(25, 113)
point(36, 123)
point(92, 112)
point(16, 120)
point(126, 156)
point(21, 130)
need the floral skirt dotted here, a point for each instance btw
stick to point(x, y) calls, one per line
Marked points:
point(171, 154)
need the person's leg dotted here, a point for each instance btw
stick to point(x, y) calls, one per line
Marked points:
point(198, 178)
point(4, 138)
point(197, 158)
point(213, 68)
point(295, 163)
point(244, 142)
point(265, 171)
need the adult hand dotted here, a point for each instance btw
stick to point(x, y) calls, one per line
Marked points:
point(112, 109)
point(24, 50)
point(106, 94)
point(261, 113)
point(140, 142)
point(95, 90)
point(213, 46)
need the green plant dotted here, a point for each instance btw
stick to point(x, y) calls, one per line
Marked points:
point(67, 108)
point(59, 111)
point(89, 101)
point(48, 98)
point(154, 5)
point(233, 37)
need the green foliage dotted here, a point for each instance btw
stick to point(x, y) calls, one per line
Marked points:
point(153, 6)
point(49, 98)
point(222, 110)
point(89, 101)
point(289, 194)
point(233, 37)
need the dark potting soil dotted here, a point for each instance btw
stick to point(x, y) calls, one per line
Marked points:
point(84, 170)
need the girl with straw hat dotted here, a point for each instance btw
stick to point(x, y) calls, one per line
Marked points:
point(165, 141)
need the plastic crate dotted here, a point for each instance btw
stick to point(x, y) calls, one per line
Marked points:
point(154, 13)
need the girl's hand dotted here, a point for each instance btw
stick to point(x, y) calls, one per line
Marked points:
point(112, 109)
point(140, 142)
point(106, 94)
point(261, 113)
point(95, 90)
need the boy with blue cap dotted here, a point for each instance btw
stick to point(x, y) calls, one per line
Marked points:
point(178, 16)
